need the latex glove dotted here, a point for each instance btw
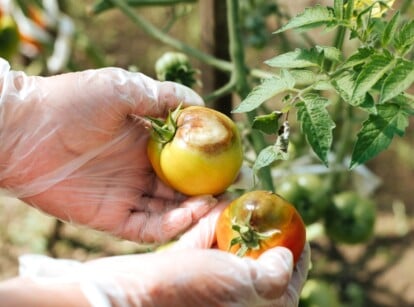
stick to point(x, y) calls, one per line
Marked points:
point(181, 276)
point(70, 147)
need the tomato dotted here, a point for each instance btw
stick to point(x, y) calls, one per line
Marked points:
point(196, 151)
point(350, 219)
point(9, 36)
point(317, 293)
point(308, 193)
point(257, 221)
point(175, 66)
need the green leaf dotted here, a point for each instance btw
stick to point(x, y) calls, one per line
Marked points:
point(404, 38)
point(300, 58)
point(399, 79)
point(269, 88)
point(358, 58)
point(390, 29)
point(311, 18)
point(268, 123)
point(331, 53)
point(344, 84)
point(267, 156)
point(378, 131)
point(370, 74)
point(303, 77)
point(316, 124)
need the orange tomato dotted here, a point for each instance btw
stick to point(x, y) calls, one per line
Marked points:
point(257, 221)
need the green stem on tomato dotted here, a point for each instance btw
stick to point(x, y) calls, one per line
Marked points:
point(239, 76)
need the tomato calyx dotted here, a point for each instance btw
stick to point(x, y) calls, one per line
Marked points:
point(164, 130)
point(248, 238)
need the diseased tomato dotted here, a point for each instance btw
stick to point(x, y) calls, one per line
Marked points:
point(351, 218)
point(196, 151)
point(257, 221)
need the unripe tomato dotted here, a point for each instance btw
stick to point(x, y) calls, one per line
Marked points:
point(9, 36)
point(176, 67)
point(350, 219)
point(319, 293)
point(201, 154)
point(308, 193)
point(257, 221)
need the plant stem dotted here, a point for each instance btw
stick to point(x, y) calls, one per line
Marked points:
point(163, 37)
point(341, 111)
point(156, 33)
point(239, 76)
point(104, 5)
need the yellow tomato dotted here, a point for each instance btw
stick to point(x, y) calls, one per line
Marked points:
point(203, 156)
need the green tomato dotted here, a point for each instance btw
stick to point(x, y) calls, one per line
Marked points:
point(307, 193)
point(176, 67)
point(350, 219)
point(9, 37)
point(318, 293)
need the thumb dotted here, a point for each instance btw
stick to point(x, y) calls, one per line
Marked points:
point(272, 271)
point(202, 234)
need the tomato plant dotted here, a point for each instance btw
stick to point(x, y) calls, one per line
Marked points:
point(257, 221)
point(351, 218)
point(197, 150)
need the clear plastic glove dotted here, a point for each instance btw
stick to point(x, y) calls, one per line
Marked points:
point(184, 275)
point(72, 147)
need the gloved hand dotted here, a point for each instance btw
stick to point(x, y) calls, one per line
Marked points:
point(183, 275)
point(71, 145)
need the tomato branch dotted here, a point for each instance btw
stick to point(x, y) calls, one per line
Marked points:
point(239, 76)
point(163, 37)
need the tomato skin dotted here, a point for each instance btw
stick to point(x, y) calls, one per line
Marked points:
point(265, 213)
point(204, 156)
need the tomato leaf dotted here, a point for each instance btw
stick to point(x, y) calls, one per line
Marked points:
point(404, 38)
point(331, 53)
point(316, 124)
point(300, 58)
point(390, 29)
point(269, 88)
point(370, 74)
point(378, 131)
point(399, 79)
point(303, 77)
point(267, 156)
point(358, 57)
point(312, 17)
point(268, 123)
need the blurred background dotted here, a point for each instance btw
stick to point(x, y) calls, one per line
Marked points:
point(68, 35)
